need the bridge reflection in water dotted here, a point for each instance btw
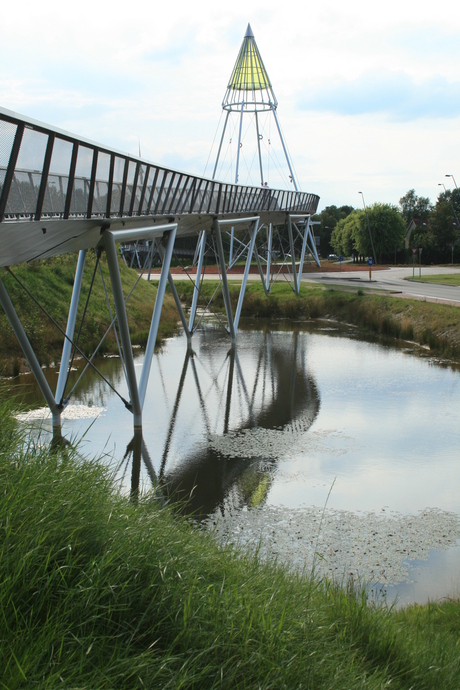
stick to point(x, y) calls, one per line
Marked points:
point(235, 397)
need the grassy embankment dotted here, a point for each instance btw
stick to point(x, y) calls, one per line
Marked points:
point(51, 282)
point(435, 326)
point(100, 592)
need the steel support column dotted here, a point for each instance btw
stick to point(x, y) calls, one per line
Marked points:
point(302, 255)
point(117, 289)
point(179, 308)
point(253, 234)
point(233, 322)
point(232, 238)
point(172, 287)
point(223, 268)
point(199, 270)
point(265, 279)
point(71, 320)
point(149, 350)
point(307, 235)
point(291, 246)
point(269, 257)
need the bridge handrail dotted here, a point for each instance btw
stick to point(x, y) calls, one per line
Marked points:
point(48, 173)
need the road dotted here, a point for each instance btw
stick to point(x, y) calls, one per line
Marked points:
point(393, 280)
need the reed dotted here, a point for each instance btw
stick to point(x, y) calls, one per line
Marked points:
point(436, 326)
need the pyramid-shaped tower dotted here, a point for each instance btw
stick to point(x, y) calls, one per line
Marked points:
point(249, 82)
point(250, 92)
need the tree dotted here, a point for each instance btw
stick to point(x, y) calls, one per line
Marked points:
point(329, 217)
point(443, 230)
point(415, 207)
point(386, 224)
point(388, 230)
point(343, 235)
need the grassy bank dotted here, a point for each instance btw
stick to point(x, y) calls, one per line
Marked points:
point(433, 325)
point(51, 283)
point(97, 591)
point(440, 279)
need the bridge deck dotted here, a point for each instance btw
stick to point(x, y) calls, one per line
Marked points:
point(57, 192)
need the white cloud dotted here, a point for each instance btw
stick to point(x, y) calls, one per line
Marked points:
point(395, 94)
point(158, 74)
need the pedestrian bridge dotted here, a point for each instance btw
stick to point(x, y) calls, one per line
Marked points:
point(61, 194)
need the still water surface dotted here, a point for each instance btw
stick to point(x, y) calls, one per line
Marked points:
point(302, 442)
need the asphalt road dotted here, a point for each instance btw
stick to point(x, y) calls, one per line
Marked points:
point(393, 280)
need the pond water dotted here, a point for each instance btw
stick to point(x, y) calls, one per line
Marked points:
point(324, 451)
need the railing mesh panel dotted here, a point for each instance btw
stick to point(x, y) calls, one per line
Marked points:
point(34, 182)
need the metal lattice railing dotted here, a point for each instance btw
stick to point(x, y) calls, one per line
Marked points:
point(47, 173)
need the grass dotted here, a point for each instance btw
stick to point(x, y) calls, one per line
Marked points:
point(435, 326)
point(441, 279)
point(51, 283)
point(97, 591)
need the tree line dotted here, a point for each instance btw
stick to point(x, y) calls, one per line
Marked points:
point(389, 233)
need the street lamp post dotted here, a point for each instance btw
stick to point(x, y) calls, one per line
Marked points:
point(441, 184)
point(453, 180)
point(452, 246)
point(369, 228)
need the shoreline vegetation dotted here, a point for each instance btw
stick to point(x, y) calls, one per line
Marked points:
point(435, 327)
point(100, 591)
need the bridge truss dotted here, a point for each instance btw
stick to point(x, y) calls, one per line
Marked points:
point(62, 194)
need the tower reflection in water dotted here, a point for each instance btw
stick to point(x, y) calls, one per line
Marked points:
point(275, 391)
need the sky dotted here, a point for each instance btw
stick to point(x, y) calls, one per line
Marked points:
point(368, 96)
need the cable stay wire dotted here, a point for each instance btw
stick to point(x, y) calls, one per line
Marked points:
point(115, 331)
point(213, 141)
point(61, 330)
point(111, 325)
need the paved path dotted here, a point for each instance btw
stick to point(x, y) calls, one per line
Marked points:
point(394, 280)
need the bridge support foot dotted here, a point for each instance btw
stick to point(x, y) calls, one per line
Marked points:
point(294, 224)
point(199, 269)
point(253, 225)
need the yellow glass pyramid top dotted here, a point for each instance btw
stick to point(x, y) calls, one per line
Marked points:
point(249, 73)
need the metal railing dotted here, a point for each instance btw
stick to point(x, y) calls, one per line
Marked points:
point(48, 173)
